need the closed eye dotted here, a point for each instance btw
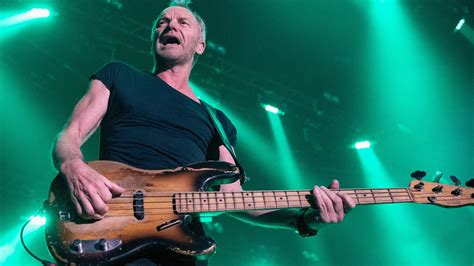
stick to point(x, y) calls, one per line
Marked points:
point(184, 21)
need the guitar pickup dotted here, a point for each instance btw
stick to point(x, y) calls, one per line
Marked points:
point(138, 205)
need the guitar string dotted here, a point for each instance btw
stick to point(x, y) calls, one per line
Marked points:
point(158, 211)
point(151, 199)
point(250, 194)
point(192, 196)
point(290, 204)
point(152, 190)
point(349, 190)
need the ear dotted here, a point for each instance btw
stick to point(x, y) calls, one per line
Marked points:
point(201, 47)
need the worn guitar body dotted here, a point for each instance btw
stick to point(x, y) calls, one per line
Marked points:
point(143, 218)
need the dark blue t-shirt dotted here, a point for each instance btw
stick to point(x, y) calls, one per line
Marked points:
point(150, 125)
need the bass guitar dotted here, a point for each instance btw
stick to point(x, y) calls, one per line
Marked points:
point(157, 207)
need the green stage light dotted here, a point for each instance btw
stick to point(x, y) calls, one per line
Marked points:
point(273, 109)
point(37, 221)
point(460, 24)
point(39, 13)
point(34, 13)
point(362, 145)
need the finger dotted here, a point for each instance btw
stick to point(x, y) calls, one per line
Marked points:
point(104, 193)
point(317, 202)
point(88, 210)
point(348, 202)
point(98, 204)
point(113, 187)
point(329, 206)
point(320, 205)
point(334, 184)
point(77, 205)
point(336, 203)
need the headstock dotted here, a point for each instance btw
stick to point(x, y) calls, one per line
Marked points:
point(441, 194)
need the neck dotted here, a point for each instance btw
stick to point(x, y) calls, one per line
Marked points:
point(187, 202)
point(176, 76)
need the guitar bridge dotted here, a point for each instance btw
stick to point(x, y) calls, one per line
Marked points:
point(168, 224)
point(94, 246)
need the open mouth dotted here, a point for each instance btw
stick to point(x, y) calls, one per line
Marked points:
point(169, 39)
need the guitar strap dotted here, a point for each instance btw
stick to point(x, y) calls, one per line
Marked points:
point(223, 136)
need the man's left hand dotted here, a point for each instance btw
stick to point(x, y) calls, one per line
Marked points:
point(328, 206)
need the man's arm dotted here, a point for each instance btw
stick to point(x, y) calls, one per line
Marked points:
point(331, 207)
point(89, 190)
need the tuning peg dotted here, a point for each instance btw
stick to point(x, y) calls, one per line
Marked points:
point(418, 174)
point(437, 176)
point(455, 180)
point(470, 183)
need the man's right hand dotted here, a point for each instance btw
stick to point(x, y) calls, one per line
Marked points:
point(89, 190)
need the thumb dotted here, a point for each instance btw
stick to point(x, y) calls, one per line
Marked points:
point(334, 184)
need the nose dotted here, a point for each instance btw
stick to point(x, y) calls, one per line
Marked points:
point(172, 24)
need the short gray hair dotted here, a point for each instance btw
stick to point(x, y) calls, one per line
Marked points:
point(199, 19)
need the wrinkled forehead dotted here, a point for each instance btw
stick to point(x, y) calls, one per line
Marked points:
point(177, 11)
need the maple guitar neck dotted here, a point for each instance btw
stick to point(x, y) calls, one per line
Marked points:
point(418, 192)
point(192, 202)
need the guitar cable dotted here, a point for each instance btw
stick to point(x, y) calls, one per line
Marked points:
point(41, 211)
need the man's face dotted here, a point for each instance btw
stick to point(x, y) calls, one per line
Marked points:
point(177, 36)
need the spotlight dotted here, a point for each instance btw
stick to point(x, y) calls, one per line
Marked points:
point(272, 109)
point(362, 145)
point(38, 13)
point(460, 24)
point(35, 13)
point(38, 221)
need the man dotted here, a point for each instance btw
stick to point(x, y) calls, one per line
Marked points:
point(155, 121)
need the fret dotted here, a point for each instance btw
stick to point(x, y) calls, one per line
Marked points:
point(183, 202)
point(351, 193)
point(269, 199)
point(197, 202)
point(400, 195)
point(253, 199)
point(282, 201)
point(189, 202)
point(259, 202)
point(302, 198)
point(382, 196)
point(293, 199)
point(248, 200)
point(239, 201)
point(179, 203)
point(365, 196)
point(376, 196)
point(220, 201)
point(229, 201)
point(275, 198)
point(204, 202)
point(212, 201)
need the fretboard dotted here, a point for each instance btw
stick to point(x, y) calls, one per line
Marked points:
point(192, 202)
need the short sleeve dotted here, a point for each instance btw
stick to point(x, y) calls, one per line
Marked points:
point(108, 74)
point(229, 127)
